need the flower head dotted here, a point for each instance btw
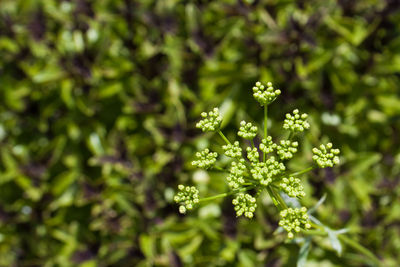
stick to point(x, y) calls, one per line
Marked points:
point(265, 172)
point(245, 205)
point(286, 149)
point(326, 156)
point(205, 159)
point(252, 154)
point(188, 197)
point(265, 94)
point(233, 150)
point(296, 122)
point(292, 187)
point(247, 130)
point(267, 145)
point(293, 220)
point(235, 177)
point(211, 121)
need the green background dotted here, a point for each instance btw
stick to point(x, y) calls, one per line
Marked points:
point(98, 103)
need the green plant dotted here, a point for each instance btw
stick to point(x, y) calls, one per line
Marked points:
point(250, 173)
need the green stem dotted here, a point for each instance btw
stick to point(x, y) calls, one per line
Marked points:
point(291, 135)
point(303, 171)
point(274, 200)
point(217, 168)
point(252, 143)
point(359, 248)
point(226, 194)
point(224, 137)
point(279, 198)
point(265, 127)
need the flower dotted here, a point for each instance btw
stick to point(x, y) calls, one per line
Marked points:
point(265, 94)
point(245, 205)
point(293, 220)
point(296, 122)
point(188, 197)
point(247, 130)
point(211, 121)
point(292, 187)
point(205, 159)
point(233, 151)
point(286, 149)
point(326, 156)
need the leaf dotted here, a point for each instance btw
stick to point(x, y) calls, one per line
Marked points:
point(303, 253)
point(319, 203)
point(336, 245)
point(147, 245)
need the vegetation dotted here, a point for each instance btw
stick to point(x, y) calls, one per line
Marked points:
point(99, 102)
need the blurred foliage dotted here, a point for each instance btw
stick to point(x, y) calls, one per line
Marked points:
point(98, 102)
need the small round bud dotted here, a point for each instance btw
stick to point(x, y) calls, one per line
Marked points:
point(211, 121)
point(247, 130)
point(293, 220)
point(244, 204)
point(326, 155)
point(296, 122)
point(286, 149)
point(265, 95)
point(292, 187)
point(233, 150)
point(188, 197)
point(205, 159)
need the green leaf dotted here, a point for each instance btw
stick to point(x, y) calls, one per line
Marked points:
point(303, 253)
point(147, 245)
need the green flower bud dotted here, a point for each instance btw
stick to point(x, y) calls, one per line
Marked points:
point(265, 172)
point(265, 94)
point(211, 121)
point(205, 159)
point(252, 154)
point(326, 156)
point(296, 122)
point(267, 145)
point(247, 130)
point(245, 205)
point(286, 149)
point(233, 151)
point(292, 187)
point(235, 177)
point(188, 197)
point(293, 220)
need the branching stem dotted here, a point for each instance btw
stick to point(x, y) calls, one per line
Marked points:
point(224, 137)
point(303, 171)
point(227, 193)
point(265, 128)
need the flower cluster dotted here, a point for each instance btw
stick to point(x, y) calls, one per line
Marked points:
point(187, 196)
point(326, 156)
point(245, 205)
point(249, 171)
point(236, 172)
point(265, 172)
point(265, 94)
point(252, 154)
point(267, 145)
point(293, 220)
point(205, 159)
point(292, 187)
point(247, 130)
point(211, 121)
point(233, 151)
point(296, 122)
point(286, 149)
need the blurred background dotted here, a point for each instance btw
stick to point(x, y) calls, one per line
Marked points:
point(98, 105)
